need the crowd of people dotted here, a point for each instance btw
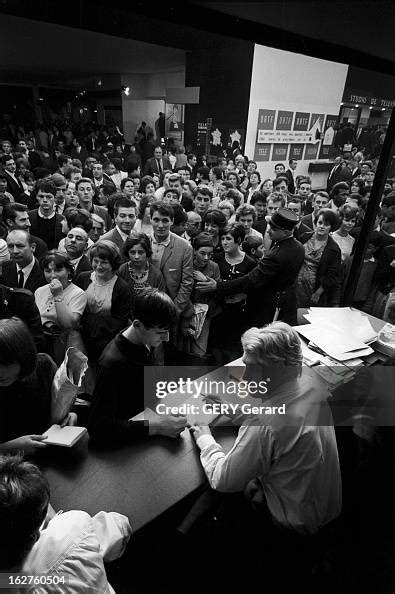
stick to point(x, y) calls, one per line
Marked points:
point(138, 256)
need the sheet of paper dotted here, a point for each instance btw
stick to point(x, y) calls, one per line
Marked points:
point(331, 340)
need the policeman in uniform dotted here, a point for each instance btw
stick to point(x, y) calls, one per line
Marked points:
point(20, 303)
point(270, 286)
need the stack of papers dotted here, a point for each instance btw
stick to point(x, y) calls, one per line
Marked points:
point(342, 333)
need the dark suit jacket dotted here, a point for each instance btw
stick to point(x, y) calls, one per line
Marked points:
point(291, 181)
point(41, 247)
point(20, 303)
point(33, 216)
point(275, 273)
point(13, 187)
point(151, 166)
point(34, 160)
point(84, 265)
point(355, 173)
point(338, 174)
point(9, 276)
point(115, 237)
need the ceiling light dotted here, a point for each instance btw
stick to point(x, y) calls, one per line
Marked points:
point(357, 106)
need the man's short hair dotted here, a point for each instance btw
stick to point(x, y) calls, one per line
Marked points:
point(258, 196)
point(85, 180)
point(251, 242)
point(6, 158)
point(153, 308)
point(279, 180)
point(62, 159)
point(205, 191)
point(122, 202)
point(190, 156)
point(68, 172)
point(24, 498)
point(47, 186)
point(163, 209)
point(276, 197)
point(276, 344)
point(203, 172)
point(11, 209)
point(218, 172)
point(78, 217)
point(245, 210)
point(26, 233)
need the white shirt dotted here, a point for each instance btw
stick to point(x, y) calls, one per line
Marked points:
point(74, 298)
point(26, 271)
point(77, 545)
point(118, 177)
point(294, 456)
point(42, 216)
point(158, 249)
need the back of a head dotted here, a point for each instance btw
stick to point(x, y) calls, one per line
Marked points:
point(153, 308)
point(276, 344)
point(24, 498)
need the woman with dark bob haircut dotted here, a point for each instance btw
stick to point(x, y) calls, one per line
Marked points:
point(138, 271)
point(25, 390)
point(108, 298)
point(60, 303)
point(228, 326)
point(319, 279)
point(214, 223)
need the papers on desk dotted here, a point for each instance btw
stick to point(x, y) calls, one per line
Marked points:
point(341, 333)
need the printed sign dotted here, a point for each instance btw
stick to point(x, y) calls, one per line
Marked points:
point(283, 135)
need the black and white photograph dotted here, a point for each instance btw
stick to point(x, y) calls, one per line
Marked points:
point(197, 297)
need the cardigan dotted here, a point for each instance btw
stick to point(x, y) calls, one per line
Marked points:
point(99, 328)
point(329, 274)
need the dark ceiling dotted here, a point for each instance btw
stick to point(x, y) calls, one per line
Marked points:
point(366, 26)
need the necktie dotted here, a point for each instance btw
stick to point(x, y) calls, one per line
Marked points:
point(159, 167)
point(21, 279)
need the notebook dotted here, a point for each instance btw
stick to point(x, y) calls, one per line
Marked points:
point(64, 436)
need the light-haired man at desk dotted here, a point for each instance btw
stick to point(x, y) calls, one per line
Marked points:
point(119, 390)
point(288, 461)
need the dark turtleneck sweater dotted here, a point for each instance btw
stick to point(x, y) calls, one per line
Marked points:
point(119, 392)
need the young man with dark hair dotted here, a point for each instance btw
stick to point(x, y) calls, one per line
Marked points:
point(280, 184)
point(85, 191)
point(16, 216)
point(290, 173)
point(125, 218)
point(14, 186)
point(45, 222)
point(119, 391)
point(33, 539)
point(172, 255)
point(306, 226)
